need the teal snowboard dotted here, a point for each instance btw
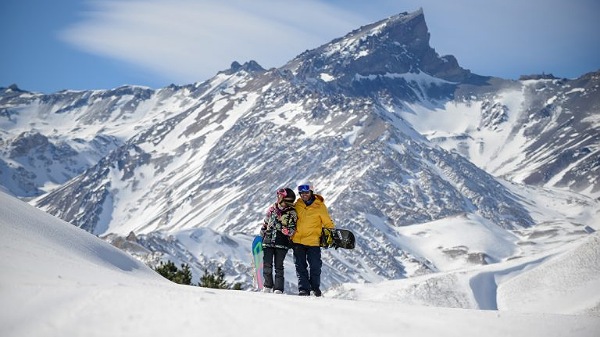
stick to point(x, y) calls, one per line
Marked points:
point(257, 260)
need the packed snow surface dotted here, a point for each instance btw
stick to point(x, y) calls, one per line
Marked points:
point(58, 280)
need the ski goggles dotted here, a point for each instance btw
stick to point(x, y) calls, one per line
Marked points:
point(282, 193)
point(303, 189)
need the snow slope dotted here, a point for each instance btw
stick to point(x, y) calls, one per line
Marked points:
point(58, 280)
point(573, 273)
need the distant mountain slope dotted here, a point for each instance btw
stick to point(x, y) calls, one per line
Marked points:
point(542, 132)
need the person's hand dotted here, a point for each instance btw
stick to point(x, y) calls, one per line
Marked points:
point(288, 232)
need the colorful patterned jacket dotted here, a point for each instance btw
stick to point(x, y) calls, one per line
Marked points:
point(279, 225)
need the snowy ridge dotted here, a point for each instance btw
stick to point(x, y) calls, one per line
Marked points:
point(574, 272)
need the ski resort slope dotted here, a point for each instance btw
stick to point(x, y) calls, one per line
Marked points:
point(58, 280)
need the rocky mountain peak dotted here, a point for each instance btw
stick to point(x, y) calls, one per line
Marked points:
point(392, 55)
point(250, 66)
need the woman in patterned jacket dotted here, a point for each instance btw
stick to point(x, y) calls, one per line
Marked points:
point(279, 225)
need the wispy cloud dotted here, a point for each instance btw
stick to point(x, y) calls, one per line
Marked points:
point(184, 41)
point(191, 40)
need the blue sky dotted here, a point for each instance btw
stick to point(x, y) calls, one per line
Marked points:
point(80, 44)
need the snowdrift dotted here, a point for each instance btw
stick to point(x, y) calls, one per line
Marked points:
point(572, 279)
point(37, 247)
point(562, 281)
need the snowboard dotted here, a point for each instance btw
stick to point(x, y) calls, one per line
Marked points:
point(257, 261)
point(337, 238)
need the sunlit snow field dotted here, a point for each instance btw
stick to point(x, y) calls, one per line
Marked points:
point(58, 280)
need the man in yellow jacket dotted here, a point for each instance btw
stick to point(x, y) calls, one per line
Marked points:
point(312, 217)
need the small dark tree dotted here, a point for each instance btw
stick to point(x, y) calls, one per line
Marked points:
point(215, 281)
point(167, 270)
point(184, 276)
point(171, 272)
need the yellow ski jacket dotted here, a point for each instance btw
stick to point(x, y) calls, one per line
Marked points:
point(311, 219)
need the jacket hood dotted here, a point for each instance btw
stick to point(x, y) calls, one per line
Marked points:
point(319, 197)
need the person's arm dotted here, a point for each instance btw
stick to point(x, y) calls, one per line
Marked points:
point(289, 223)
point(326, 219)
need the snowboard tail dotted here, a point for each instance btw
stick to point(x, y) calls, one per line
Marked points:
point(337, 238)
point(257, 261)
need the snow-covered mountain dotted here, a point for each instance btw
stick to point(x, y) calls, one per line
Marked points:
point(405, 145)
point(59, 280)
point(542, 132)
